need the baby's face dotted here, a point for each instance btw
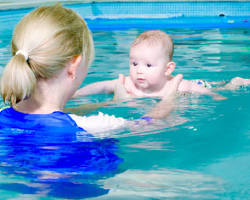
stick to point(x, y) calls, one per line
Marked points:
point(147, 67)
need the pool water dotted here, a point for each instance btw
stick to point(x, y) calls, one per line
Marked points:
point(201, 151)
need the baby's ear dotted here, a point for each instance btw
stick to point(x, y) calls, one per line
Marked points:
point(169, 68)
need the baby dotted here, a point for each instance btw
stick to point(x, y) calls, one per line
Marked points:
point(151, 68)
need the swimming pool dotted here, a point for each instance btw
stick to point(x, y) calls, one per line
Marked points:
point(200, 152)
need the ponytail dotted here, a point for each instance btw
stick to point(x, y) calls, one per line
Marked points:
point(17, 81)
point(51, 36)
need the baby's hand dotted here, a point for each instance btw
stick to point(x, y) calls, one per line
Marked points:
point(120, 91)
point(236, 82)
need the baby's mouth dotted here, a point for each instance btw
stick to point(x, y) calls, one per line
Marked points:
point(140, 79)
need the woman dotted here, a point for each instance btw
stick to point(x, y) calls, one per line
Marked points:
point(51, 50)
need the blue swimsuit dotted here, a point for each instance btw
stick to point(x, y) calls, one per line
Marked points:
point(51, 142)
point(56, 122)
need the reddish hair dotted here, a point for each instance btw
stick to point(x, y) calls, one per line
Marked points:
point(154, 37)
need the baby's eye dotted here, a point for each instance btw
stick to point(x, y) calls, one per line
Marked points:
point(134, 63)
point(149, 65)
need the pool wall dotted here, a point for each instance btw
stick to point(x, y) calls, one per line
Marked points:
point(166, 9)
point(169, 14)
point(120, 15)
point(187, 8)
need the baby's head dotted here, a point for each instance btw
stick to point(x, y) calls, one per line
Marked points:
point(156, 38)
point(42, 43)
point(151, 60)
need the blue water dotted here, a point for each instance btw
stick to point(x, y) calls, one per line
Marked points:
point(201, 151)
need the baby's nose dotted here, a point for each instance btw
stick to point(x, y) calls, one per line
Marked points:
point(140, 69)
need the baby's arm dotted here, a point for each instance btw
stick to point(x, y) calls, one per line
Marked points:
point(235, 83)
point(192, 87)
point(102, 87)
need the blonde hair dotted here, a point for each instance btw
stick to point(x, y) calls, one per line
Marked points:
point(156, 37)
point(50, 36)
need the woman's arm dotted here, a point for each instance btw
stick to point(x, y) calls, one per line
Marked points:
point(102, 87)
point(167, 104)
point(164, 107)
point(107, 122)
point(85, 108)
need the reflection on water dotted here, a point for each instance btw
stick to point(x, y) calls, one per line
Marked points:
point(164, 183)
point(47, 162)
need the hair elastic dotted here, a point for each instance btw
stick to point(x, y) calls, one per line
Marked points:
point(24, 53)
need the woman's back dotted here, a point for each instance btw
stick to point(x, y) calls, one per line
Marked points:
point(55, 122)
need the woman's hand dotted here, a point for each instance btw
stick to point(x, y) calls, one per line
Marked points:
point(120, 92)
point(167, 104)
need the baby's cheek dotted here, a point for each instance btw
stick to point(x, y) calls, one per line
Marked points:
point(153, 78)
